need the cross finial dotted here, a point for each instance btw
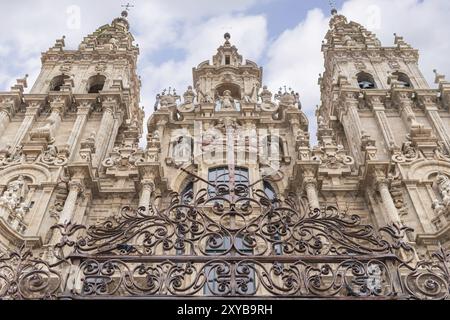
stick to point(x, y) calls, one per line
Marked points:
point(127, 6)
point(333, 7)
point(127, 9)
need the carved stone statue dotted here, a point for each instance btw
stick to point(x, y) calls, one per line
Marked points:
point(16, 193)
point(443, 206)
point(321, 122)
point(182, 150)
point(274, 147)
point(444, 188)
point(227, 101)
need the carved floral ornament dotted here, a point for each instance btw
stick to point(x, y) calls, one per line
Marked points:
point(408, 153)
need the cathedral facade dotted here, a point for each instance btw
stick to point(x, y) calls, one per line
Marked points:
point(228, 197)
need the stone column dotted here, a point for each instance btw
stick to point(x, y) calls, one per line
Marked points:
point(380, 115)
point(4, 120)
point(389, 206)
point(148, 187)
point(115, 130)
point(310, 186)
point(349, 117)
point(30, 117)
point(438, 125)
point(103, 134)
point(403, 100)
point(75, 188)
point(78, 128)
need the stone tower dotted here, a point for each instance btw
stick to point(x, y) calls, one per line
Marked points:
point(379, 106)
point(81, 114)
point(228, 198)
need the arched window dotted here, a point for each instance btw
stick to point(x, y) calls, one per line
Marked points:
point(403, 80)
point(96, 83)
point(220, 177)
point(58, 82)
point(366, 81)
point(234, 89)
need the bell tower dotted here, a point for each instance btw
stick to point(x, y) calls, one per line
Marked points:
point(228, 72)
point(361, 74)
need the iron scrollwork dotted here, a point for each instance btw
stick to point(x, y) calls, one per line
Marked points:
point(235, 242)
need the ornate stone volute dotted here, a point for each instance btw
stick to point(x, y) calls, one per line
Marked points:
point(54, 155)
point(408, 152)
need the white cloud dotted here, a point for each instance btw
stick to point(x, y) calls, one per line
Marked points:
point(295, 60)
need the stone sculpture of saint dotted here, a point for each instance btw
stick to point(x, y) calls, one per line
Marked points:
point(227, 101)
point(182, 150)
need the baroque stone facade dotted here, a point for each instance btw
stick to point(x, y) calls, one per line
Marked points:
point(228, 173)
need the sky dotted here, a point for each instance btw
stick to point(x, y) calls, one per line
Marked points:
point(282, 36)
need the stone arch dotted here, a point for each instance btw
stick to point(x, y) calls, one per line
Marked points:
point(57, 82)
point(403, 78)
point(180, 181)
point(234, 88)
point(36, 173)
point(96, 83)
point(424, 170)
point(366, 81)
